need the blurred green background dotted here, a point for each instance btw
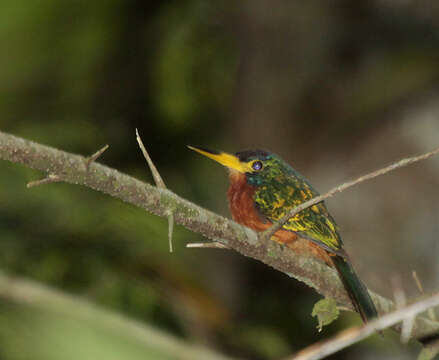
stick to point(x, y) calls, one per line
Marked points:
point(337, 88)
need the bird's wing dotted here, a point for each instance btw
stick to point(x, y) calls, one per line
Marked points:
point(314, 223)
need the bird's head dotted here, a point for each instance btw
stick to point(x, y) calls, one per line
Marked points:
point(259, 167)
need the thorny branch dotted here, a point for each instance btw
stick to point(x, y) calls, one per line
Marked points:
point(70, 168)
point(353, 335)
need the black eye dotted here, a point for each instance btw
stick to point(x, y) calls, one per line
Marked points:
point(257, 165)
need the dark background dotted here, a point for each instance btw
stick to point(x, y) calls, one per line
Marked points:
point(337, 88)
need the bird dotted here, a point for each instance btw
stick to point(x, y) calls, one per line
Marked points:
point(263, 188)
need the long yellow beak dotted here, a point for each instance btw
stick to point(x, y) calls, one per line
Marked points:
point(228, 160)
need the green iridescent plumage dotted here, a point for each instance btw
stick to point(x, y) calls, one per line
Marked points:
point(276, 189)
point(280, 189)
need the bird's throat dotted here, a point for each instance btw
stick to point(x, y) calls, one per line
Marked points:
point(242, 206)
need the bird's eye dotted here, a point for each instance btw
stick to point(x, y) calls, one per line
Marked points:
point(257, 165)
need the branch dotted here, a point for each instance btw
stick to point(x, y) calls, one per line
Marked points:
point(71, 169)
point(353, 335)
point(401, 163)
point(35, 295)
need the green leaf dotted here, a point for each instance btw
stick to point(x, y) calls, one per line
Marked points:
point(326, 311)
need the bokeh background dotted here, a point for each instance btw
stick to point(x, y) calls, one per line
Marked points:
point(337, 88)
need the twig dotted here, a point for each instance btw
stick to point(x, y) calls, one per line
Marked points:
point(353, 335)
point(51, 178)
point(401, 163)
point(208, 245)
point(160, 184)
point(95, 156)
point(70, 168)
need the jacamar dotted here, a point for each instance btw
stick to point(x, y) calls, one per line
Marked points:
point(263, 188)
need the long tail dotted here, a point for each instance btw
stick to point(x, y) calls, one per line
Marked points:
point(355, 288)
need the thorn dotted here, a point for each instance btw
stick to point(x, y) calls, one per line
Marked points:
point(400, 302)
point(398, 292)
point(160, 184)
point(418, 282)
point(51, 178)
point(406, 330)
point(157, 178)
point(93, 158)
point(267, 234)
point(170, 230)
point(208, 245)
point(430, 312)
